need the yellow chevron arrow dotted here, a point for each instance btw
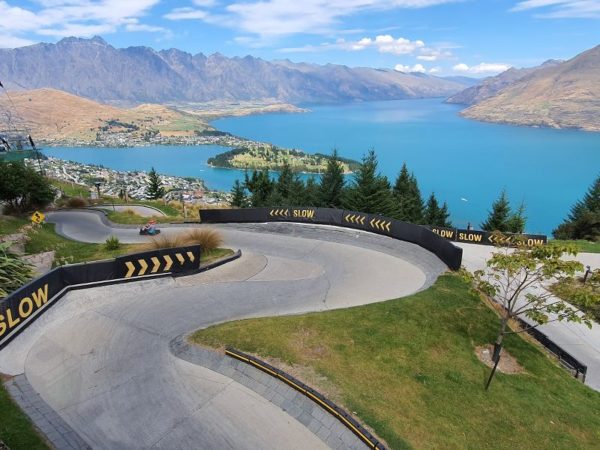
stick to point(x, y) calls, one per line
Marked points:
point(362, 220)
point(130, 269)
point(287, 212)
point(347, 217)
point(180, 258)
point(191, 256)
point(271, 213)
point(156, 263)
point(377, 223)
point(169, 262)
point(371, 222)
point(144, 265)
point(387, 226)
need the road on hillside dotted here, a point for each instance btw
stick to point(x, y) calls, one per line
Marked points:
point(100, 357)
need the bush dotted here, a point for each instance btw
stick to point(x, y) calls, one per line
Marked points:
point(166, 241)
point(14, 272)
point(22, 188)
point(112, 243)
point(76, 202)
point(207, 238)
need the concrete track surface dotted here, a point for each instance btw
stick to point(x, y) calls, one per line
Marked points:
point(100, 357)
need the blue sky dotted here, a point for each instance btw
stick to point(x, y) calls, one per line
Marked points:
point(442, 37)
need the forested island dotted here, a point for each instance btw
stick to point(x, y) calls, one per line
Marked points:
point(273, 158)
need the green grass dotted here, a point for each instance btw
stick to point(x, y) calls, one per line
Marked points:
point(10, 225)
point(131, 218)
point(582, 246)
point(169, 210)
point(71, 189)
point(407, 367)
point(68, 251)
point(16, 431)
point(215, 254)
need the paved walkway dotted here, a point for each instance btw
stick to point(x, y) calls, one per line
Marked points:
point(101, 357)
point(577, 339)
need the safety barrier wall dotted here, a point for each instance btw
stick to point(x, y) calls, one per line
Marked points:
point(23, 306)
point(442, 248)
point(490, 238)
point(346, 419)
point(565, 358)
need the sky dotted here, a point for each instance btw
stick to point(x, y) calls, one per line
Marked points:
point(473, 38)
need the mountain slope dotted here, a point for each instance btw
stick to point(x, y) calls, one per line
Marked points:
point(54, 115)
point(492, 85)
point(94, 69)
point(566, 95)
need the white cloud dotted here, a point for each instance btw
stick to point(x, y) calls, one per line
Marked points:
point(416, 68)
point(204, 3)
point(432, 54)
point(7, 41)
point(273, 18)
point(387, 44)
point(561, 9)
point(81, 18)
point(482, 68)
point(435, 70)
point(186, 14)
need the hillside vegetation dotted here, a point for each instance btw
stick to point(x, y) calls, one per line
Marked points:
point(408, 369)
point(566, 95)
point(274, 158)
point(57, 116)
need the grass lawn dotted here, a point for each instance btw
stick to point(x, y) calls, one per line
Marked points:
point(16, 431)
point(130, 218)
point(10, 225)
point(408, 369)
point(71, 189)
point(583, 246)
point(68, 251)
point(217, 253)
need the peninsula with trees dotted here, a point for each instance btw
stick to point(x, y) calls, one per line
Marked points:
point(274, 158)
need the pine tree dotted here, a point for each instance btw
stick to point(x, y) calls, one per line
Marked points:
point(408, 197)
point(311, 193)
point(332, 183)
point(499, 215)
point(432, 211)
point(590, 202)
point(154, 190)
point(260, 186)
point(444, 217)
point(583, 222)
point(370, 192)
point(238, 193)
point(435, 215)
point(516, 222)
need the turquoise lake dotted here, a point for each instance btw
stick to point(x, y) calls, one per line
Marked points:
point(465, 163)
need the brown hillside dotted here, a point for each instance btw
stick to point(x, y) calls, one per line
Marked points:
point(51, 115)
point(566, 95)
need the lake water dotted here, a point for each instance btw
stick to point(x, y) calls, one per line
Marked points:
point(466, 163)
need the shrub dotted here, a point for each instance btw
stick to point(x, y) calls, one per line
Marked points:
point(22, 188)
point(207, 238)
point(112, 243)
point(14, 272)
point(77, 202)
point(166, 241)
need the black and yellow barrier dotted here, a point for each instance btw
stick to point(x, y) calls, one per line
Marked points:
point(424, 237)
point(344, 417)
point(22, 307)
point(490, 238)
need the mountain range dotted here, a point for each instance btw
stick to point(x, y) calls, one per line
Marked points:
point(94, 69)
point(492, 85)
point(555, 94)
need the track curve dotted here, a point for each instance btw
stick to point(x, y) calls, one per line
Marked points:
point(101, 357)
